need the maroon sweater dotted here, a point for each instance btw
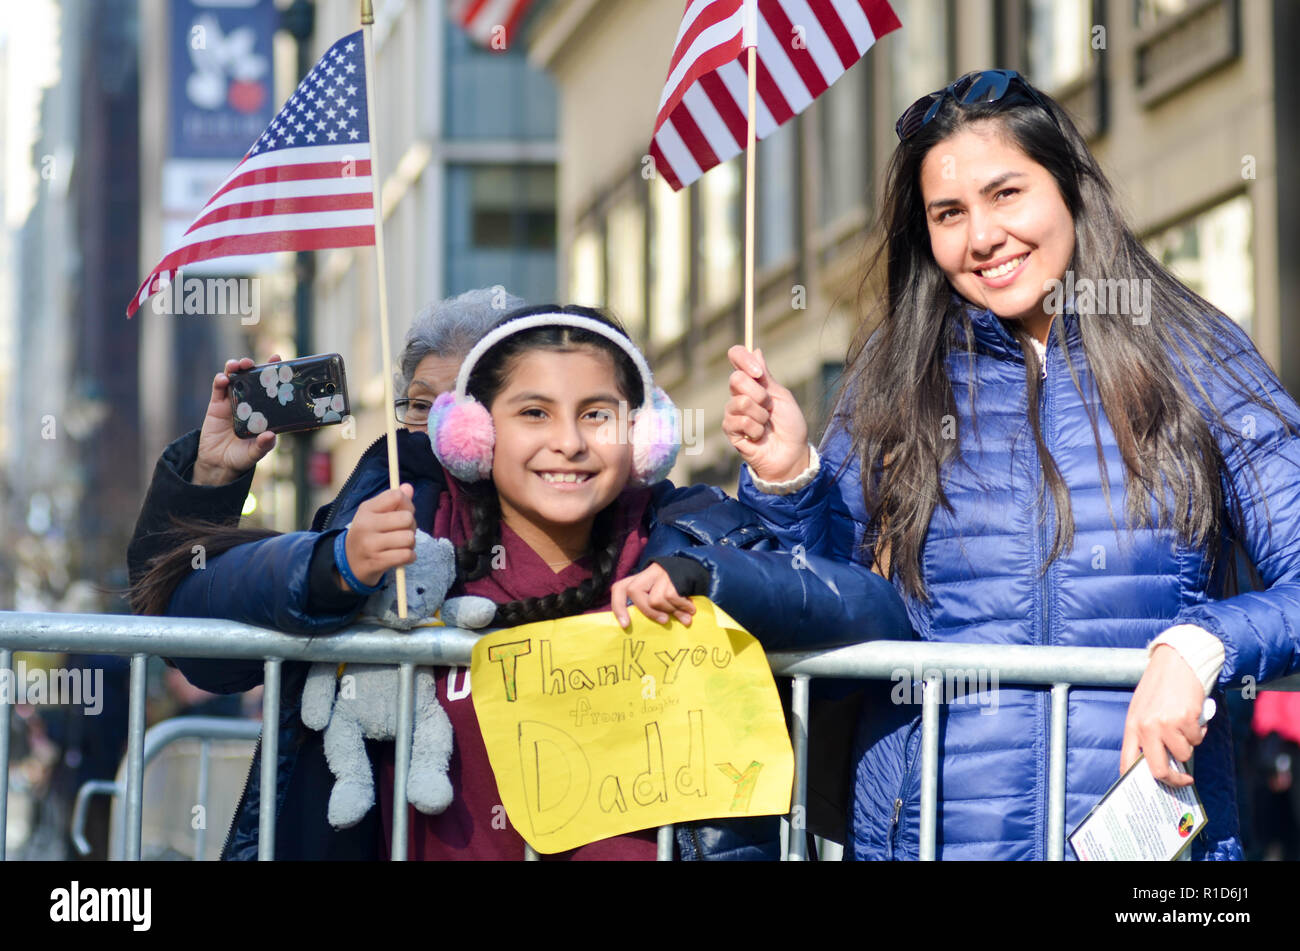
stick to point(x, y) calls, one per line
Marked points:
point(475, 825)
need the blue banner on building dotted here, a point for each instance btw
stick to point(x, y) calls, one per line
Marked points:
point(222, 91)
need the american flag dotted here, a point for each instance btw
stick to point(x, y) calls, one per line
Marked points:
point(304, 185)
point(803, 47)
point(490, 22)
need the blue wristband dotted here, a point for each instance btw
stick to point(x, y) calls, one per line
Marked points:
point(341, 563)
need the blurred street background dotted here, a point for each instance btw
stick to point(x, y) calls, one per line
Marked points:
point(525, 166)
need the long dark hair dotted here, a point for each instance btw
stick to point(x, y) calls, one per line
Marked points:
point(151, 593)
point(899, 393)
point(489, 377)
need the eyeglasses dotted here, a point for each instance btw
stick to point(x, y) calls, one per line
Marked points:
point(412, 412)
point(982, 86)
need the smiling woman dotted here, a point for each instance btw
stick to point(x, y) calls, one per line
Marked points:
point(999, 227)
point(993, 434)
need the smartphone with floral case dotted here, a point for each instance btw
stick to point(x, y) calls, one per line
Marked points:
point(290, 396)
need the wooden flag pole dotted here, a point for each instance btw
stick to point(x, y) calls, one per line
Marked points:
point(367, 20)
point(751, 40)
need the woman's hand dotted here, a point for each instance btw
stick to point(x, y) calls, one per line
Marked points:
point(224, 457)
point(652, 591)
point(382, 535)
point(1163, 717)
point(763, 421)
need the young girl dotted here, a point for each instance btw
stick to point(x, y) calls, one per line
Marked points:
point(554, 509)
point(993, 436)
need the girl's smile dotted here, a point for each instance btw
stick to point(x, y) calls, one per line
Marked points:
point(558, 458)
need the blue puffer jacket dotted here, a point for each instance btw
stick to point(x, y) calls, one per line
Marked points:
point(266, 583)
point(1112, 590)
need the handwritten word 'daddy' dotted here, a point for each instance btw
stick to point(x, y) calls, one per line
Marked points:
point(557, 774)
point(555, 679)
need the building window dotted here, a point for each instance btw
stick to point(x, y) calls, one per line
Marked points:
point(1181, 41)
point(586, 270)
point(920, 54)
point(720, 237)
point(670, 221)
point(501, 228)
point(625, 266)
point(513, 207)
point(1058, 39)
point(1211, 253)
point(1150, 12)
point(843, 119)
point(495, 94)
point(777, 181)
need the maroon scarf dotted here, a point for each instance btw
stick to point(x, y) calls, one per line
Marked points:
point(526, 574)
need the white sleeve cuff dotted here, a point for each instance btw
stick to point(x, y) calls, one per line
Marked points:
point(800, 481)
point(1201, 649)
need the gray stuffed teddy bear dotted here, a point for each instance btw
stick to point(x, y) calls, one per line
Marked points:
point(365, 706)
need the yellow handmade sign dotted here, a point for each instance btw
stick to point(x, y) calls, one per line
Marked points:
point(593, 732)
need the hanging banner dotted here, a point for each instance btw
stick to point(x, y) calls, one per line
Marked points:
point(221, 98)
point(593, 731)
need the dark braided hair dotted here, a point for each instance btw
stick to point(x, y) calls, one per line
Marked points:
point(488, 379)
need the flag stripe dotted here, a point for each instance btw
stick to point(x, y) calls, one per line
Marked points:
point(820, 48)
point(294, 173)
point(706, 15)
point(768, 90)
point(312, 239)
point(783, 35)
point(694, 139)
point(479, 18)
point(680, 159)
point(778, 66)
point(732, 113)
point(295, 189)
point(283, 206)
point(297, 156)
point(737, 82)
point(663, 164)
point(711, 124)
point(823, 11)
point(701, 117)
point(719, 43)
point(288, 222)
point(881, 18)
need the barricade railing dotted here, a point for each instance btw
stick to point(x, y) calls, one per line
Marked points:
point(157, 739)
point(139, 638)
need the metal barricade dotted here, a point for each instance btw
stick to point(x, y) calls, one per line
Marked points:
point(157, 739)
point(1059, 668)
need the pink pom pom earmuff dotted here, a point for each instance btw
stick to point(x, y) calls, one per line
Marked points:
point(656, 438)
point(461, 431)
point(463, 436)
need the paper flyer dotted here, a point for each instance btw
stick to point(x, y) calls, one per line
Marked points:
point(1140, 819)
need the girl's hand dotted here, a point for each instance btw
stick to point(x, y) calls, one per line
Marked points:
point(763, 421)
point(223, 456)
point(652, 591)
point(1162, 717)
point(382, 535)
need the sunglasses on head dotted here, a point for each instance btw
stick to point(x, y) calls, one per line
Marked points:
point(982, 86)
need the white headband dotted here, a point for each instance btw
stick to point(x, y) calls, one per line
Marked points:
point(553, 319)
